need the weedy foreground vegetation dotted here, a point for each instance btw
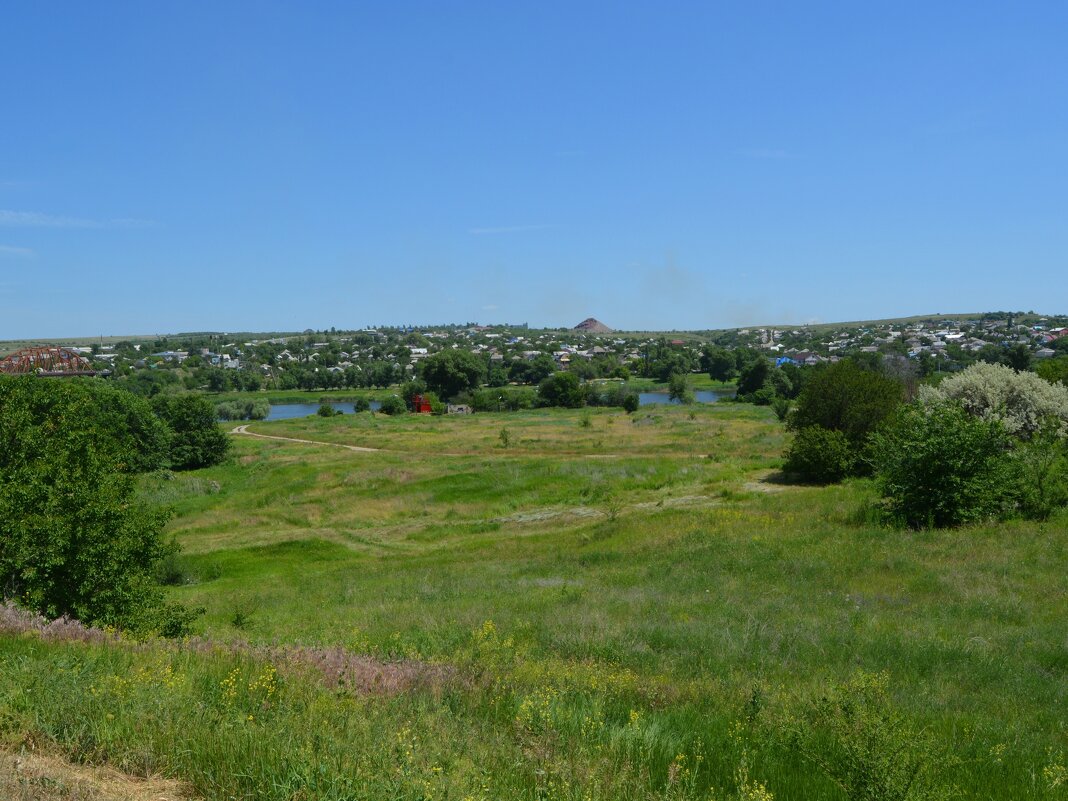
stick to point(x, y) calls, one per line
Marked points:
point(563, 604)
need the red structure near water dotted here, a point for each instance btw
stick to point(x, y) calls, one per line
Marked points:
point(420, 405)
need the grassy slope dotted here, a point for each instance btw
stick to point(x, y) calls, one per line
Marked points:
point(632, 566)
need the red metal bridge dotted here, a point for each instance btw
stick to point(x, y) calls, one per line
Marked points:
point(46, 361)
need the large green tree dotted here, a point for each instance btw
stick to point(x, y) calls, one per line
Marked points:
point(75, 539)
point(450, 372)
point(719, 363)
point(532, 371)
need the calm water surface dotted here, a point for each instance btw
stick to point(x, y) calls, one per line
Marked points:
point(702, 395)
point(289, 411)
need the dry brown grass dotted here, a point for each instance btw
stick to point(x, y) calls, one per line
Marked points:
point(33, 776)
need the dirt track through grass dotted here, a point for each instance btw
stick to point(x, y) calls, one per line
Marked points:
point(244, 431)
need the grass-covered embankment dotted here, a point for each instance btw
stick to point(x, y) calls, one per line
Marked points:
point(663, 612)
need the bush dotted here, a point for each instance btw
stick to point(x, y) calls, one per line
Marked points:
point(855, 735)
point(561, 389)
point(779, 382)
point(361, 404)
point(845, 397)
point(326, 410)
point(393, 405)
point(781, 407)
point(940, 466)
point(256, 409)
point(1041, 469)
point(196, 440)
point(631, 401)
point(764, 396)
point(1022, 402)
point(820, 455)
point(604, 394)
point(496, 399)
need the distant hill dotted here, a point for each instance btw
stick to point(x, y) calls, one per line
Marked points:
point(592, 326)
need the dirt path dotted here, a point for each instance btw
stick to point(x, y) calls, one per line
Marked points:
point(244, 430)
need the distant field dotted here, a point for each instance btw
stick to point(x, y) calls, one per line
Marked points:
point(608, 606)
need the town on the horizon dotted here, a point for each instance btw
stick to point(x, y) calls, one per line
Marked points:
point(378, 357)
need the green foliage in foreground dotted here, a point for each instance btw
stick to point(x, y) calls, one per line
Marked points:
point(75, 537)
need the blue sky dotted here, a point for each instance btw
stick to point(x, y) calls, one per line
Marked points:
point(278, 166)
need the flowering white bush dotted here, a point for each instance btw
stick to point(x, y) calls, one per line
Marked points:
point(1020, 401)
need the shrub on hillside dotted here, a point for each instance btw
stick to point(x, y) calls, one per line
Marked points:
point(1040, 465)
point(820, 455)
point(361, 404)
point(1022, 402)
point(940, 466)
point(764, 396)
point(256, 409)
point(561, 389)
point(845, 397)
point(196, 439)
point(856, 735)
point(393, 405)
point(501, 399)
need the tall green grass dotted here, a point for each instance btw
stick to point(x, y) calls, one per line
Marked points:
point(665, 615)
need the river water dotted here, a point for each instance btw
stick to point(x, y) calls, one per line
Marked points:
point(289, 411)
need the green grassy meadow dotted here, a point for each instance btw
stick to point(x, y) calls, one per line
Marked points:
point(589, 605)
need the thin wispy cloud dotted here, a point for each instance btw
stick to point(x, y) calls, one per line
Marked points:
point(34, 219)
point(507, 229)
point(11, 250)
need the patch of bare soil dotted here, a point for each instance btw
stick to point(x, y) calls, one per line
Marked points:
point(28, 776)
